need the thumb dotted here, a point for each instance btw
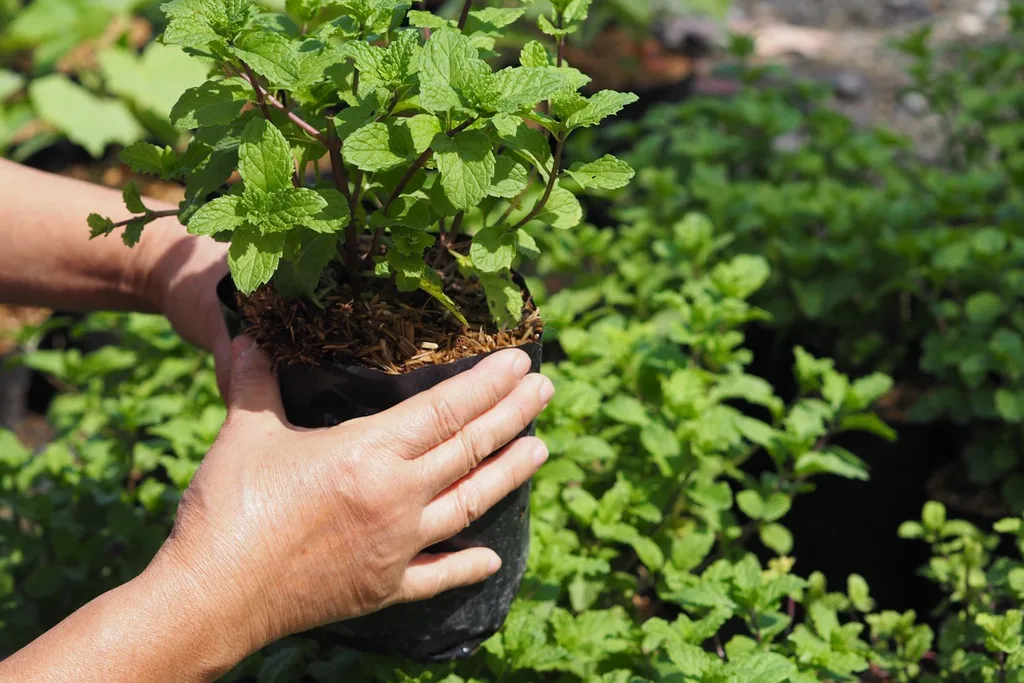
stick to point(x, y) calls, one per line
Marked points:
point(254, 387)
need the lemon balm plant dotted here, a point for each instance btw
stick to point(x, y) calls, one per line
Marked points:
point(367, 138)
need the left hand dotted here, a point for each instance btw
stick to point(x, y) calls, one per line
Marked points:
point(182, 284)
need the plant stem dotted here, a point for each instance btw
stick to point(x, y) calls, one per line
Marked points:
point(264, 98)
point(148, 216)
point(261, 94)
point(457, 224)
point(420, 162)
point(337, 166)
point(552, 179)
point(464, 16)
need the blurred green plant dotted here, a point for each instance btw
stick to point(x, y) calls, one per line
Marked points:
point(879, 258)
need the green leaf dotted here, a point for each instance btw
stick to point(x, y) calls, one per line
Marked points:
point(289, 208)
point(265, 159)
point(433, 287)
point(214, 103)
point(833, 460)
point(522, 88)
point(10, 83)
point(504, 299)
point(99, 226)
point(334, 215)
point(197, 23)
point(1010, 405)
point(870, 423)
point(534, 55)
point(467, 165)
point(223, 214)
point(493, 249)
point(143, 157)
point(379, 147)
point(253, 258)
point(984, 308)
point(860, 596)
point(305, 257)
point(776, 506)
point(153, 80)
point(133, 198)
point(86, 119)
point(422, 129)
point(608, 173)
point(271, 55)
point(599, 107)
point(933, 515)
point(510, 178)
point(751, 503)
point(562, 211)
point(777, 537)
point(627, 410)
point(449, 66)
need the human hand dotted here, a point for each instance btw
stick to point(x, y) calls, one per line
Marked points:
point(284, 529)
point(182, 275)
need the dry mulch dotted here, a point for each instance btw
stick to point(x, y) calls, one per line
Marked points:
point(380, 327)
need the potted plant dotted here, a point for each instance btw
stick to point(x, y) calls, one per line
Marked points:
point(370, 140)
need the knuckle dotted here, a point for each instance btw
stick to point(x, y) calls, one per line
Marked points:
point(468, 502)
point(445, 419)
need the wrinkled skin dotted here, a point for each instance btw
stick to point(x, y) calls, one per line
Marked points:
point(314, 526)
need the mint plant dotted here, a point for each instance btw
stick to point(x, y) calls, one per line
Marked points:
point(421, 136)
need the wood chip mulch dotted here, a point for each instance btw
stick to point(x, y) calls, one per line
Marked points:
point(380, 327)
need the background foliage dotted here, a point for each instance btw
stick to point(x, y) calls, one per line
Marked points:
point(661, 529)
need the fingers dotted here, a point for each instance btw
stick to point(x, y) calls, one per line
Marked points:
point(222, 364)
point(457, 457)
point(430, 575)
point(467, 500)
point(254, 388)
point(434, 416)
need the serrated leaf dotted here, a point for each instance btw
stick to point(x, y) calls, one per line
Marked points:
point(526, 245)
point(562, 211)
point(99, 226)
point(213, 103)
point(289, 208)
point(466, 163)
point(833, 460)
point(265, 159)
point(504, 299)
point(271, 55)
point(607, 173)
point(598, 107)
point(143, 157)
point(306, 255)
point(223, 214)
point(253, 258)
point(195, 23)
point(493, 18)
point(87, 120)
point(379, 146)
point(133, 198)
point(422, 128)
point(534, 54)
point(521, 88)
point(449, 64)
point(334, 215)
point(510, 178)
point(493, 249)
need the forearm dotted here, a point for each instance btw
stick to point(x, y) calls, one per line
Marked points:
point(47, 258)
point(152, 628)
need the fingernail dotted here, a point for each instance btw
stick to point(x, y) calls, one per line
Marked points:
point(522, 364)
point(546, 390)
point(540, 454)
point(494, 565)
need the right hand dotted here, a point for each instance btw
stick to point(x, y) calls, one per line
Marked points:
point(284, 529)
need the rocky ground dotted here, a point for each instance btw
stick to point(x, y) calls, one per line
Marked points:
point(848, 43)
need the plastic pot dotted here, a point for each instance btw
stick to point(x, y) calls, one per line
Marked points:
point(451, 625)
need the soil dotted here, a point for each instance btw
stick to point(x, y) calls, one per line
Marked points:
point(382, 328)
